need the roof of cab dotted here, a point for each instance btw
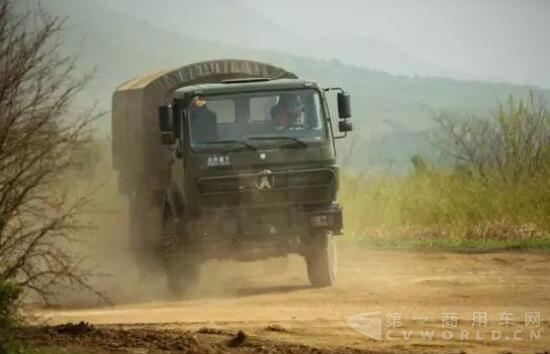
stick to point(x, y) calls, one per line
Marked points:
point(244, 86)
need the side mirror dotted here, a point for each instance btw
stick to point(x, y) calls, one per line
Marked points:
point(344, 105)
point(166, 125)
point(345, 126)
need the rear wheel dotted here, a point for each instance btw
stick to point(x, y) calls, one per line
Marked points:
point(320, 258)
point(181, 262)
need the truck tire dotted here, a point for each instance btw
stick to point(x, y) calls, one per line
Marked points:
point(321, 260)
point(181, 263)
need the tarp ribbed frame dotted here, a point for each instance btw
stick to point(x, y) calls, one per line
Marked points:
point(203, 72)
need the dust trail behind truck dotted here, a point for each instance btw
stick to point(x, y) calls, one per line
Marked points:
point(228, 159)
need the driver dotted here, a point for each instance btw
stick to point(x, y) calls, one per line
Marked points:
point(288, 112)
point(203, 122)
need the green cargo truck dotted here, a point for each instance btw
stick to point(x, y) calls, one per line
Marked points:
point(228, 159)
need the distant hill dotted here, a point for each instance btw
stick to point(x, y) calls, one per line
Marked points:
point(237, 22)
point(393, 114)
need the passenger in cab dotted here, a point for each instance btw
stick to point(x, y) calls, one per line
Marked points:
point(288, 112)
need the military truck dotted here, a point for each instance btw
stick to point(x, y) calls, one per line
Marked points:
point(229, 159)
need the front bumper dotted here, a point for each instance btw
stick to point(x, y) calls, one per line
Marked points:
point(329, 219)
point(272, 223)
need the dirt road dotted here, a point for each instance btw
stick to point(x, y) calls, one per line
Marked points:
point(387, 301)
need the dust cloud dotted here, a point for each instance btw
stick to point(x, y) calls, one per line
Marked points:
point(107, 250)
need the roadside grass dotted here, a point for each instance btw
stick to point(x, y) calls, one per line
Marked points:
point(492, 192)
point(437, 209)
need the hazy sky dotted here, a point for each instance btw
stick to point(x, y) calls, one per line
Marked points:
point(499, 40)
point(496, 39)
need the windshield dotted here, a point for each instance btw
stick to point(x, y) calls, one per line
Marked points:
point(292, 119)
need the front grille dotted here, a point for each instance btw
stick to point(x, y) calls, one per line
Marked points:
point(278, 180)
point(285, 187)
point(218, 185)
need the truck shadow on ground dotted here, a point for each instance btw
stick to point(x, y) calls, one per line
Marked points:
point(282, 289)
point(239, 291)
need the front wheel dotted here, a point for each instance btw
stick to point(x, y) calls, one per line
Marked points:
point(320, 258)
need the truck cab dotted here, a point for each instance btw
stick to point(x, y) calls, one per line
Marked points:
point(254, 172)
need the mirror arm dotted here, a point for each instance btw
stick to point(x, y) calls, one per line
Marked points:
point(339, 89)
point(341, 136)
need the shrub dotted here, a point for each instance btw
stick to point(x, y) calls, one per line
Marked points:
point(511, 145)
point(41, 140)
point(9, 294)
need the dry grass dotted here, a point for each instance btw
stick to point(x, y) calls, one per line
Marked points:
point(496, 191)
point(436, 205)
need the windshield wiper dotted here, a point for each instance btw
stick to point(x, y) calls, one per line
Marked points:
point(296, 141)
point(232, 141)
